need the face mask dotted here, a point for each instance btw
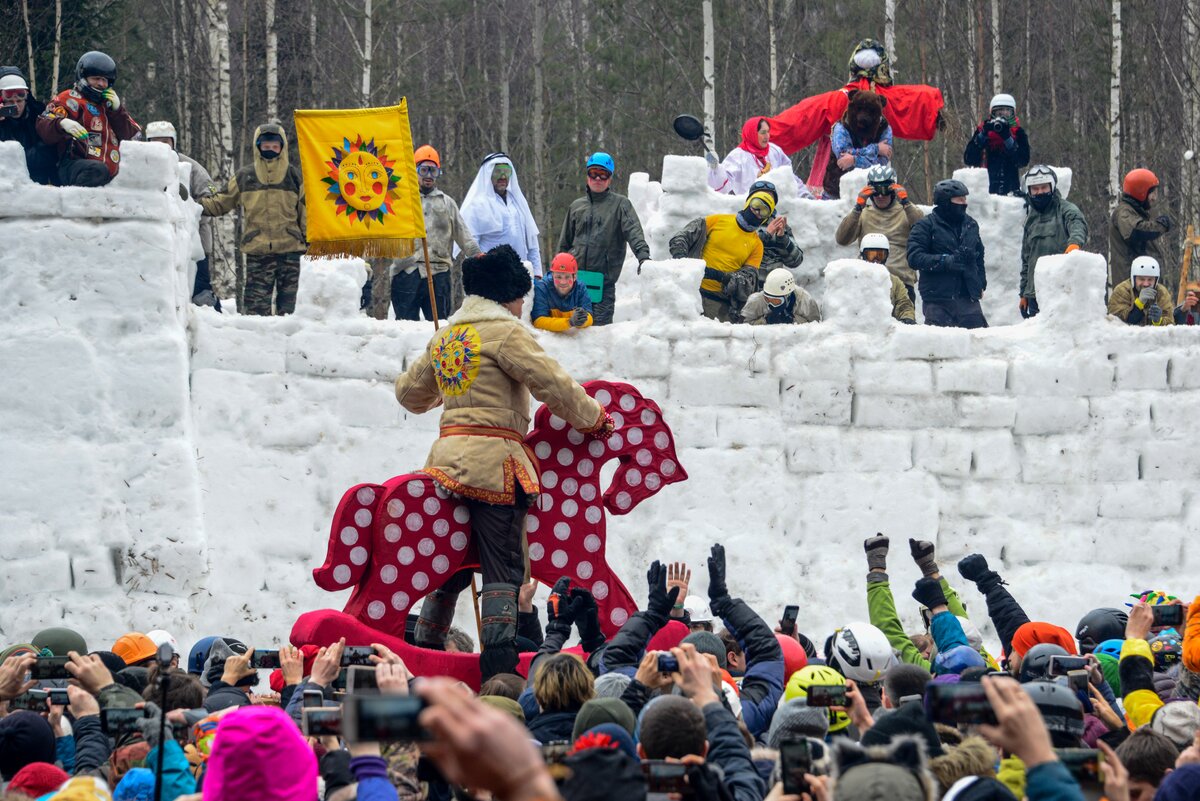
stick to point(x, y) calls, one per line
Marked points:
point(953, 212)
point(269, 154)
point(1041, 202)
point(748, 220)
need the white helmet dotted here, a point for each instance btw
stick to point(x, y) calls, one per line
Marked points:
point(861, 652)
point(158, 637)
point(1040, 174)
point(780, 283)
point(874, 242)
point(972, 633)
point(1145, 267)
point(697, 609)
point(13, 82)
point(160, 129)
point(1003, 101)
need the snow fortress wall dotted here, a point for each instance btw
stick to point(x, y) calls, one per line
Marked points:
point(166, 466)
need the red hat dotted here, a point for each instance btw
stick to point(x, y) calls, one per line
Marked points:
point(38, 778)
point(794, 657)
point(564, 263)
point(1036, 633)
point(1138, 183)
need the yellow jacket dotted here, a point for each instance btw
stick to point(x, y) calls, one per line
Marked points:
point(482, 368)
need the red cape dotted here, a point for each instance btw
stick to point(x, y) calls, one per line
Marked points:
point(911, 111)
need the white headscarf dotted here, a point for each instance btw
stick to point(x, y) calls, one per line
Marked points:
point(483, 210)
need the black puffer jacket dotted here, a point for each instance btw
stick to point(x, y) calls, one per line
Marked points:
point(23, 129)
point(948, 258)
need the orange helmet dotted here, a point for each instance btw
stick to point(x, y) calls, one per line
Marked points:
point(427, 153)
point(134, 647)
point(564, 263)
point(1138, 184)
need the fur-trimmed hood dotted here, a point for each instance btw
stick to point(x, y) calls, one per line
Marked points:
point(478, 309)
point(973, 757)
point(894, 772)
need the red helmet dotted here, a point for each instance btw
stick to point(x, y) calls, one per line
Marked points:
point(1138, 183)
point(794, 657)
point(564, 263)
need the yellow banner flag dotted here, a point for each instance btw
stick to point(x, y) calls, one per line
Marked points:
point(360, 181)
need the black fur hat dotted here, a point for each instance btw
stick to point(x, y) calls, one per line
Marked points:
point(496, 275)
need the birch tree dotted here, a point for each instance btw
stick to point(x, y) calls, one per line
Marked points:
point(889, 30)
point(773, 56)
point(1114, 110)
point(57, 46)
point(1191, 99)
point(220, 139)
point(997, 53)
point(539, 124)
point(710, 81)
point(272, 61)
point(29, 48)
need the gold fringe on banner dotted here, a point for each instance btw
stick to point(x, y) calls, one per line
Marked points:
point(364, 248)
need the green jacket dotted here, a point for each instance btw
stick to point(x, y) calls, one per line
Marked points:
point(271, 194)
point(596, 231)
point(882, 608)
point(1127, 305)
point(1047, 233)
point(1132, 232)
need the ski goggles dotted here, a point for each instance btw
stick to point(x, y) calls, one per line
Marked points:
point(875, 255)
point(501, 171)
point(599, 175)
point(13, 95)
point(428, 170)
point(760, 208)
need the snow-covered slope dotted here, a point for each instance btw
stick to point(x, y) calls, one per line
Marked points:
point(166, 466)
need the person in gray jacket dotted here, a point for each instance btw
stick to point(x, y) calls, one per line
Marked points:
point(598, 228)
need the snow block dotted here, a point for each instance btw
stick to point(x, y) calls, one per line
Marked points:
point(945, 453)
point(1184, 370)
point(1070, 289)
point(1050, 415)
point(903, 412)
point(1071, 460)
point(1142, 371)
point(818, 403)
point(824, 449)
point(892, 378)
point(1065, 377)
point(929, 342)
point(986, 411)
point(994, 455)
point(980, 376)
point(331, 288)
point(715, 386)
point(856, 296)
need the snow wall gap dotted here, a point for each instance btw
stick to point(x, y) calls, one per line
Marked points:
point(165, 466)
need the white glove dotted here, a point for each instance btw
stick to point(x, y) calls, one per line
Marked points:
point(111, 99)
point(1148, 295)
point(72, 128)
point(711, 158)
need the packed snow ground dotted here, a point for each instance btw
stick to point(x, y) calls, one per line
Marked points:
point(167, 466)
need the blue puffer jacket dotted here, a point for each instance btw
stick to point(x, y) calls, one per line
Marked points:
point(1051, 781)
point(762, 685)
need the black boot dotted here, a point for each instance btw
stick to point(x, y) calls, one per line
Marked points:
point(499, 641)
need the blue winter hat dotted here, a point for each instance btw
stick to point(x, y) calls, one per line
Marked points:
point(136, 785)
point(601, 160)
point(199, 655)
point(956, 660)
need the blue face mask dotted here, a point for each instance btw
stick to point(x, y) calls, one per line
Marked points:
point(269, 154)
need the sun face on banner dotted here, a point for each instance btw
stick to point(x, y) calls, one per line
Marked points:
point(362, 184)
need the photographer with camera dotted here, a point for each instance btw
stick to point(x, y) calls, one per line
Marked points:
point(1000, 144)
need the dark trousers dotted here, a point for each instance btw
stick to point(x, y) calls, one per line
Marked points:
point(1031, 308)
point(410, 295)
point(42, 163)
point(602, 311)
point(954, 313)
point(203, 283)
point(275, 276)
point(82, 172)
point(498, 533)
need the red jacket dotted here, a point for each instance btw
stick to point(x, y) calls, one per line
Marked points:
point(106, 128)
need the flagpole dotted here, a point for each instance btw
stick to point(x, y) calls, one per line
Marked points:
point(429, 280)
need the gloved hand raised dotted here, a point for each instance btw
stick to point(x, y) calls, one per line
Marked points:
point(587, 619)
point(901, 193)
point(1164, 221)
point(929, 593)
point(877, 550)
point(866, 193)
point(111, 99)
point(973, 567)
point(72, 128)
point(1154, 312)
point(716, 574)
point(923, 554)
point(558, 605)
point(660, 601)
point(578, 318)
point(1148, 295)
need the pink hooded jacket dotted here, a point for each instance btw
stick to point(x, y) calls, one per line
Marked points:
point(258, 753)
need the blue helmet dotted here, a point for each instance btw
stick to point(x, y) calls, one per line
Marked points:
point(603, 161)
point(1110, 647)
point(956, 660)
point(199, 655)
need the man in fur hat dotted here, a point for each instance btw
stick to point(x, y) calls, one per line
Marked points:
point(482, 369)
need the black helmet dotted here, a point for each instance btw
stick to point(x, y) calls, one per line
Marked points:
point(944, 190)
point(1036, 662)
point(1061, 710)
point(763, 186)
point(1099, 625)
point(93, 63)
